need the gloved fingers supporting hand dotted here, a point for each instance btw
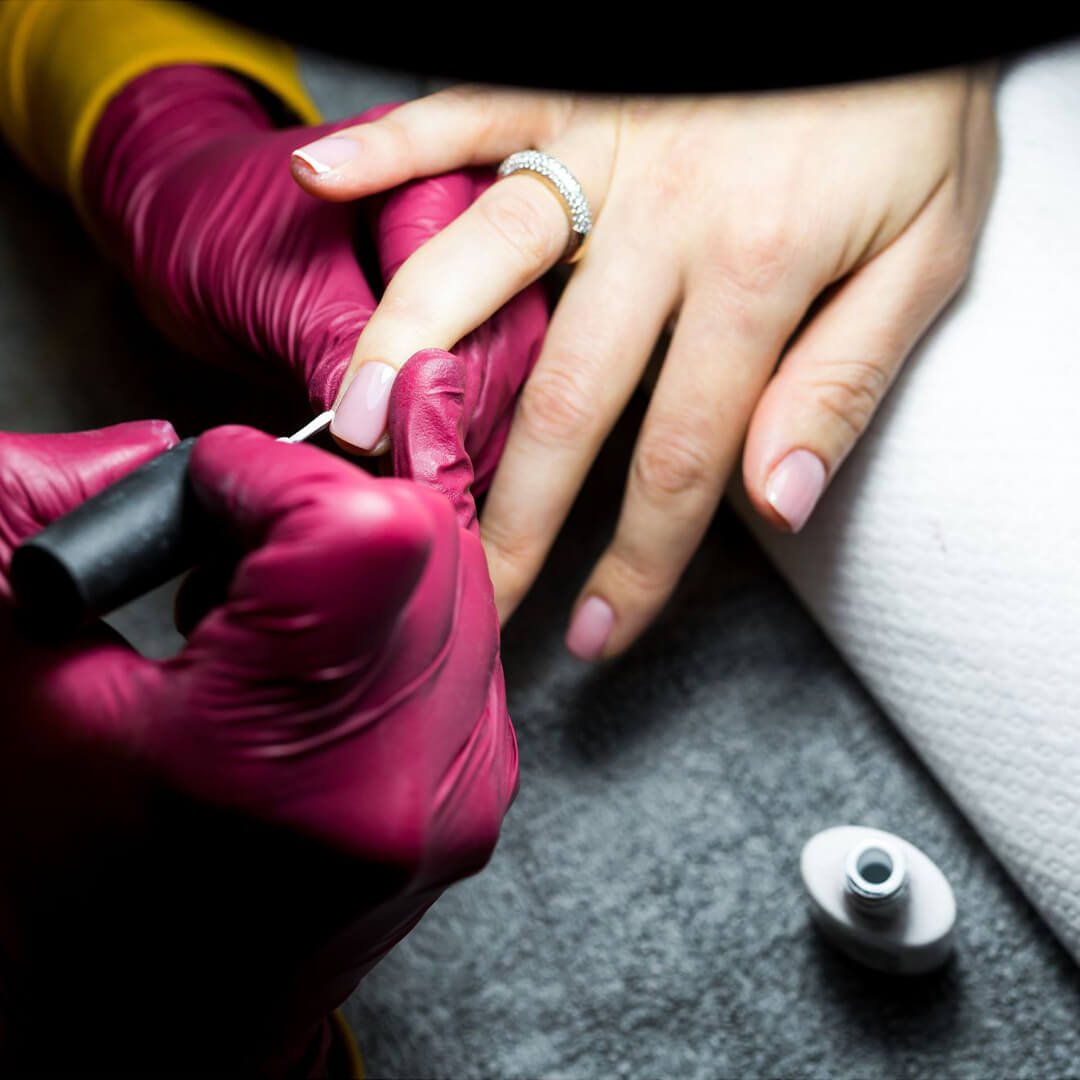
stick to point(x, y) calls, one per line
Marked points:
point(45, 476)
point(41, 478)
point(432, 400)
point(500, 353)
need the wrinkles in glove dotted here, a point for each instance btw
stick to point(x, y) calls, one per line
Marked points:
point(201, 856)
point(187, 185)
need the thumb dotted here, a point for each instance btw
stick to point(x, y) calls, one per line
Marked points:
point(331, 555)
point(428, 409)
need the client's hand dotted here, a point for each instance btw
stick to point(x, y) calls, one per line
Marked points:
point(200, 857)
point(187, 184)
point(827, 227)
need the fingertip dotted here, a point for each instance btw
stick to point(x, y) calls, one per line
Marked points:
point(328, 154)
point(785, 471)
point(304, 164)
point(164, 434)
point(327, 168)
point(225, 434)
point(794, 486)
point(360, 416)
point(755, 479)
point(590, 629)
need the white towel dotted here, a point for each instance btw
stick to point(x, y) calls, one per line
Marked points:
point(944, 561)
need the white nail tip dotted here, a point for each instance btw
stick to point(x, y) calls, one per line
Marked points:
point(318, 166)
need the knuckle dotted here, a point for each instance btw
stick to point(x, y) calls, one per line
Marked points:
point(636, 577)
point(401, 308)
point(850, 390)
point(474, 98)
point(513, 211)
point(477, 102)
point(762, 253)
point(555, 406)
point(670, 464)
point(392, 128)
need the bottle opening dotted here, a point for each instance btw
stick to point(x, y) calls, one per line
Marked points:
point(875, 878)
point(874, 866)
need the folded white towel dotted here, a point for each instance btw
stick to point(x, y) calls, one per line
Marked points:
point(944, 561)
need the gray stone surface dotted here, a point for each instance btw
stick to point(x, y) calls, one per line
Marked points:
point(642, 915)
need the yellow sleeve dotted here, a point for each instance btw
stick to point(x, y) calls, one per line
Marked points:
point(61, 61)
point(350, 1052)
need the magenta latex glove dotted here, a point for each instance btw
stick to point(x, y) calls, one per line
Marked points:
point(187, 184)
point(200, 857)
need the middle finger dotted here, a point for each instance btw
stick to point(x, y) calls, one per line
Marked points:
point(513, 233)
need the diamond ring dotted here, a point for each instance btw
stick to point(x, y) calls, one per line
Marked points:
point(565, 185)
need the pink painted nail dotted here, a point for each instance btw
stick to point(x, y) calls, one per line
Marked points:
point(795, 486)
point(325, 154)
point(590, 628)
point(360, 419)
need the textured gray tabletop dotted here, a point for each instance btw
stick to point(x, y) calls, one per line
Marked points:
point(643, 914)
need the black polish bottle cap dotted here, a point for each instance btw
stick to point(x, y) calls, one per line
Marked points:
point(131, 537)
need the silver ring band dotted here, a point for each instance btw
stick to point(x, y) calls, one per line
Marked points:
point(565, 185)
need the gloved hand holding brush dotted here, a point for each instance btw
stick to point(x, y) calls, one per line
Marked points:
point(218, 846)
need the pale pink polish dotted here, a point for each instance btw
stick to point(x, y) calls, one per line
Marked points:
point(795, 486)
point(360, 419)
point(590, 629)
point(324, 155)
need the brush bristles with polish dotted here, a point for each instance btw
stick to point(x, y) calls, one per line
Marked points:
point(313, 427)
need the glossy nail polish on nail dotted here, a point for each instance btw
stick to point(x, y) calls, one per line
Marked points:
point(590, 629)
point(323, 155)
point(795, 486)
point(360, 419)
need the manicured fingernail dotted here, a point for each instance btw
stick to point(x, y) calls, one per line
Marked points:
point(360, 419)
point(325, 154)
point(795, 486)
point(590, 628)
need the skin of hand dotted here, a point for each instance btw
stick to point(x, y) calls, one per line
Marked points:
point(186, 185)
point(799, 243)
point(202, 856)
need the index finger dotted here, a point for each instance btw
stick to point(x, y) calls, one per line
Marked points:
point(447, 130)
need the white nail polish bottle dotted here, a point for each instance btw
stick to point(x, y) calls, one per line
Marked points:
point(879, 899)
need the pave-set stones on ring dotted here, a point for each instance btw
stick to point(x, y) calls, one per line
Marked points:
point(563, 182)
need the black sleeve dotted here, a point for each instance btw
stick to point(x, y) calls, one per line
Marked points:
point(672, 49)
